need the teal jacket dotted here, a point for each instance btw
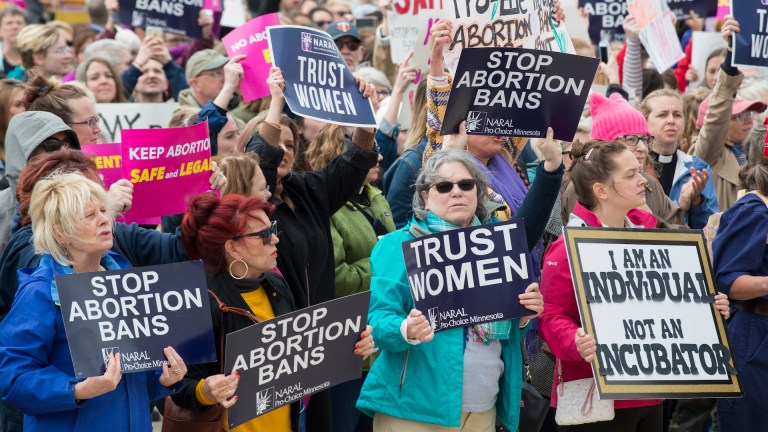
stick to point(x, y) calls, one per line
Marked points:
point(423, 382)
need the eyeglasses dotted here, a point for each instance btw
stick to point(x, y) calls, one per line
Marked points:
point(215, 72)
point(444, 187)
point(744, 117)
point(265, 234)
point(54, 144)
point(322, 24)
point(384, 92)
point(62, 50)
point(92, 122)
point(567, 153)
point(634, 140)
point(353, 45)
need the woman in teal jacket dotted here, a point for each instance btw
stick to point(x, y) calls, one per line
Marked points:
point(420, 382)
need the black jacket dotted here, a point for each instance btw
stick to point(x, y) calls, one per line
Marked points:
point(229, 292)
point(305, 251)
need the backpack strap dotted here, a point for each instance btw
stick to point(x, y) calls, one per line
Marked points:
point(233, 310)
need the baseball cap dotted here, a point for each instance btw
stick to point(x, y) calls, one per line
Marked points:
point(204, 60)
point(739, 106)
point(340, 29)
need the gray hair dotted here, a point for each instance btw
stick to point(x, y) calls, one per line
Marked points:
point(373, 75)
point(429, 176)
point(106, 49)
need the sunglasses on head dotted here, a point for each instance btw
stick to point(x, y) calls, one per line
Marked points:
point(353, 45)
point(265, 234)
point(54, 144)
point(444, 187)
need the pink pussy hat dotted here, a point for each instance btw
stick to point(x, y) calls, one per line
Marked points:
point(613, 117)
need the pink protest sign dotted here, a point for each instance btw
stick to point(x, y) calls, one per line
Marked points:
point(723, 8)
point(214, 5)
point(251, 39)
point(166, 165)
point(108, 158)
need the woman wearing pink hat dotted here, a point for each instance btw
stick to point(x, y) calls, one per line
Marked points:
point(613, 119)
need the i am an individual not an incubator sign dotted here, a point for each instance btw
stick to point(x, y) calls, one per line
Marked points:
point(647, 296)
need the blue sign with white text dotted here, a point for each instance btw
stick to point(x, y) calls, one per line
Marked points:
point(319, 85)
point(172, 16)
point(750, 46)
point(137, 312)
point(469, 276)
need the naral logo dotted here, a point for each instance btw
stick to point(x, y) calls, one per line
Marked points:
point(264, 400)
point(306, 42)
point(475, 121)
point(105, 352)
point(434, 317)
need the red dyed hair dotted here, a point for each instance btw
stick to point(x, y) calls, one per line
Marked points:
point(62, 161)
point(210, 221)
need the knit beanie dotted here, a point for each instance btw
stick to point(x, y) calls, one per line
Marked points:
point(613, 117)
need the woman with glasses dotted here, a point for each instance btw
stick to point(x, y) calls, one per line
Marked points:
point(613, 119)
point(355, 229)
point(461, 378)
point(237, 241)
point(725, 122)
point(684, 178)
point(609, 181)
point(45, 49)
point(70, 102)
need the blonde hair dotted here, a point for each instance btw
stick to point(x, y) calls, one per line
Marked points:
point(57, 210)
point(33, 39)
point(240, 169)
point(327, 145)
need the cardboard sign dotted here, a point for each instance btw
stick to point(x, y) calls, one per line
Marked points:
point(251, 39)
point(108, 159)
point(606, 18)
point(410, 23)
point(118, 116)
point(704, 43)
point(750, 46)
point(213, 5)
point(137, 312)
point(504, 24)
point(166, 165)
point(657, 34)
point(319, 85)
point(295, 355)
point(178, 17)
point(471, 275)
point(519, 92)
point(647, 296)
point(234, 13)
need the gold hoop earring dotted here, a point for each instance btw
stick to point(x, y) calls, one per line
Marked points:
point(244, 274)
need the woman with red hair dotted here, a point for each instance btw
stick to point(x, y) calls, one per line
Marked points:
point(236, 239)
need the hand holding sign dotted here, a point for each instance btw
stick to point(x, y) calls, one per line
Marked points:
point(552, 151)
point(221, 388)
point(730, 26)
point(457, 141)
point(365, 347)
point(441, 37)
point(533, 300)
point(418, 327)
point(723, 305)
point(218, 180)
point(99, 385)
point(631, 29)
point(175, 370)
point(120, 196)
point(586, 345)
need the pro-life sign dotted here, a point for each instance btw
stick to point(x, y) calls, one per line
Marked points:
point(518, 92)
point(318, 84)
point(295, 355)
point(471, 275)
point(136, 312)
point(647, 296)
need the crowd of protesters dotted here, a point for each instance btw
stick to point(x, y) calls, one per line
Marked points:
point(307, 211)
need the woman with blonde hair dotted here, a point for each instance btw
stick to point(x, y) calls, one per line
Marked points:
point(244, 176)
point(72, 230)
point(44, 48)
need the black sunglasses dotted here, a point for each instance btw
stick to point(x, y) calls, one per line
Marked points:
point(353, 45)
point(54, 144)
point(444, 187)
point(265, 234)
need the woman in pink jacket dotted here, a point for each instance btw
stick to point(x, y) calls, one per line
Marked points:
point(607, 178)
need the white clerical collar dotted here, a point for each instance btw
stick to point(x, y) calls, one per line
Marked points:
point(665, 159)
